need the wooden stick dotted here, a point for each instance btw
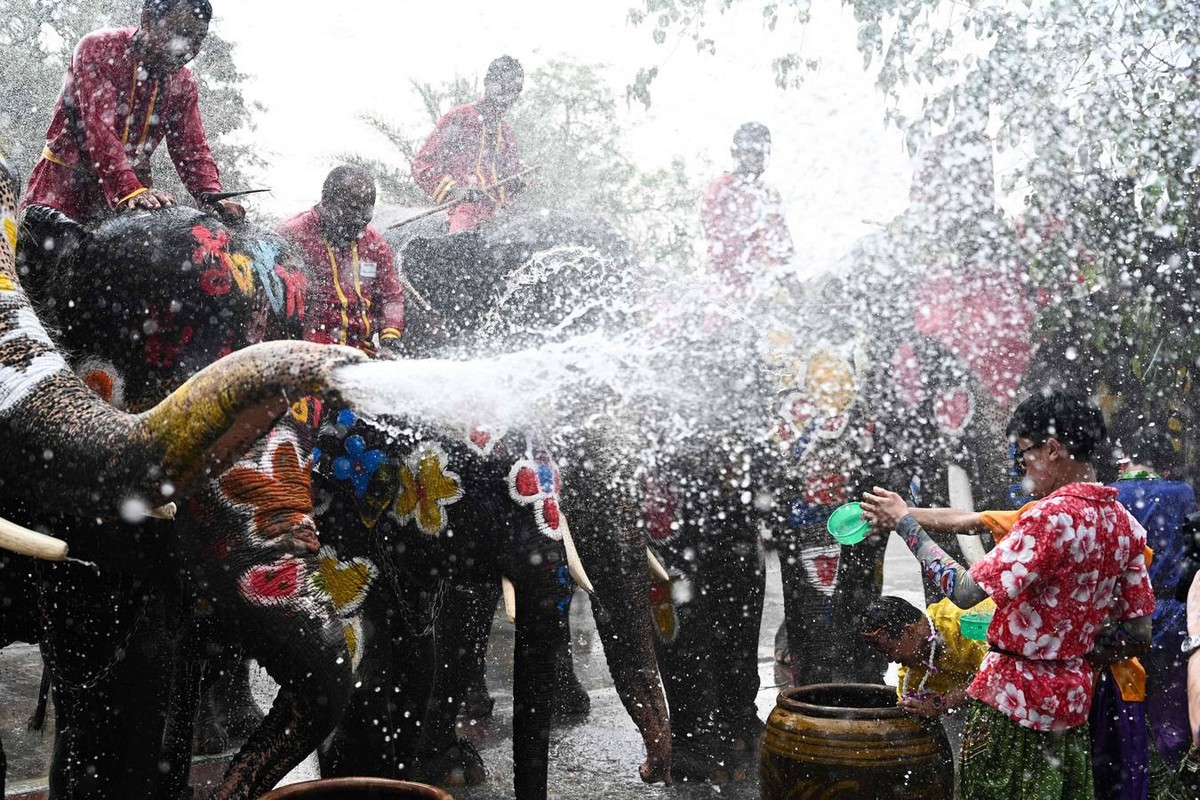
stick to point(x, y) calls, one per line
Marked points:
point(429, 212)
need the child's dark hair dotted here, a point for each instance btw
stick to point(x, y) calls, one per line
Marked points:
point(888, 615)
point(160, 9)
point(1060, 415)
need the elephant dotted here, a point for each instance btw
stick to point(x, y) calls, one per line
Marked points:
point(507, 524)
point(141, 302)
point(800, 412)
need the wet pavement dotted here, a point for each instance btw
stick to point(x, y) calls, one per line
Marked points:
point(598, 757)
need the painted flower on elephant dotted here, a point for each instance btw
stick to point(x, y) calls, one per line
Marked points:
point(273, 584)
point(278, 489)
point(358, 465)
point(482, 439)
point(536, 481)
point(426, 488)
point(103, 378)
point(346, 582)
point(659, 505)
point(295, 289)
point(954, 409)
point(225, 269)
point(165, 340)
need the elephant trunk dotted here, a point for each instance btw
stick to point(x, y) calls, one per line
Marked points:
point(610, 541)
point(99, 458)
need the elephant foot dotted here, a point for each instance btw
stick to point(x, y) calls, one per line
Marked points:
point(655, 770)
point(690, 764)
point(572, 701)
point(457, 766)
point(477, 703)
point(210, 738)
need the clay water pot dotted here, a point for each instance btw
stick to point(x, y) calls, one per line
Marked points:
point(851, 740)
point(356, 789)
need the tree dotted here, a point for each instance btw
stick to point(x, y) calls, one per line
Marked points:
point(37, 38)
point(1097, 105)
point(567, 125)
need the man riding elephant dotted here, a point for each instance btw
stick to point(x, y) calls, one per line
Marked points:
point(125, 91)
point(355, 297)
point(471, 157)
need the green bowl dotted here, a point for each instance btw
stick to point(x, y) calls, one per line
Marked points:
point(847, 525)
point(974, 626)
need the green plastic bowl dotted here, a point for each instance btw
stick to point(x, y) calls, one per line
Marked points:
point(847, 525)
point(974, 626)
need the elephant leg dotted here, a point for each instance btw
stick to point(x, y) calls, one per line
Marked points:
point(110, 658)
point(738, 601)
point(808, 562)
point(571, 700)
point(185, 697)
point(227, 711)
point(859, 583)
point(464, 621)
point(686, 664)
point(477, 703)
point(379, 733)
point(541, 634)
point(306, 655)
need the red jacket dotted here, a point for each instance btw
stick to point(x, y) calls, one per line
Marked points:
point(354, 293)
point(743, 222)
point(122, 114)
point(464, 151)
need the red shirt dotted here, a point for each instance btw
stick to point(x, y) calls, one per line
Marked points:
point(124, 114)
point(355, 292)
point(743, 222)
point(468, 149)
point(1073, 562)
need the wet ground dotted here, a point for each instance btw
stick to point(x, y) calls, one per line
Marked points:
point(596, 758)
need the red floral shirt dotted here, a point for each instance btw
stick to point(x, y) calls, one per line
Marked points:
point(1073, 562)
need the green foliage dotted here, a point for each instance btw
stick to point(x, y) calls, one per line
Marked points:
point(567, 125)
point(37, 38)
point(1097, 103)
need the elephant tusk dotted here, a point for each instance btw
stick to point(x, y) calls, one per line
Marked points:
point(657, 570)
point(574, 563)
point(31, 543)
point(164, 512)
point(510, 599)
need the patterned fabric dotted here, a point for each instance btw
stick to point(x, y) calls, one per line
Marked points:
point(1005, 761)
point(958, 658)
point(1072, 562)
point(125, 113)
point(746, 231)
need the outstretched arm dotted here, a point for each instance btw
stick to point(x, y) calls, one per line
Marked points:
point(887, 511)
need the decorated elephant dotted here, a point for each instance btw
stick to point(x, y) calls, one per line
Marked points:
point(471, 506)
point(807, 400)
point(141, 302)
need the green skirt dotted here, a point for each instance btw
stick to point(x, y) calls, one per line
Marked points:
point(1003, 761)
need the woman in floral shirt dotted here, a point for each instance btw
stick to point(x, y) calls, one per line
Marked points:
point(1071, 591)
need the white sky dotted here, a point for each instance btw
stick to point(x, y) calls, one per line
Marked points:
point(317, 66)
